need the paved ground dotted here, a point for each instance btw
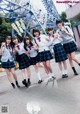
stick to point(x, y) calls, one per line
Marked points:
point(61, 98)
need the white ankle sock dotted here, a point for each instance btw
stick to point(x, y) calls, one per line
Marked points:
point(51, 74)
point(65, 71)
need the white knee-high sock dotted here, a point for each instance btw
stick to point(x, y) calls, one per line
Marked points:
point(39, 76)
point(65, 71)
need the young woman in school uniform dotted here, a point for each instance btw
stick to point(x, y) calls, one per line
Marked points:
point(8, 61)
point(44, 53)
point(59, 52)
point(33, 54)
point(22, 59)
point(69, 44)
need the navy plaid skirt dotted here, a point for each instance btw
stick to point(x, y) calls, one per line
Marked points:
point(34, 60)
point(24, 61)
point(59, 53)
point(70, 47)
point(8, 64)
point(45, 56)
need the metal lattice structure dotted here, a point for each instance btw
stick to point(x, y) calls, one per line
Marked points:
point(52, 14)
point(17, 9)
point(22, 13)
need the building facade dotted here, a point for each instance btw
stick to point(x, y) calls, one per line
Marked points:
point(73, 13)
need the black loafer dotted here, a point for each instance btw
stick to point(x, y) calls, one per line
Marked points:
point(65, 76)
point(29, 83)
point(76, 74)
point(40, 81)
point(25, 83)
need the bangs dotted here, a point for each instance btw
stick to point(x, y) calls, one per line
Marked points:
point(50, 29)
point(8, 38)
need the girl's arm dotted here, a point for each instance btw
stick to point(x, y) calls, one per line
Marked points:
point(3, 46)
point(0, 51)
point(14, 52)
point(69, 31)
point(27, 51)
point(16, 49)
point(58, 36)
point(35, 46)
point(47, 38)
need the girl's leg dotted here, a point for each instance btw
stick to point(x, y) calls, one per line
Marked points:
point(65, 69)
point(45, 67)
point(39, 65)
point(72, 65)
point(24, 77)
point(60, 67)
point(48, 65)
point(73, 56)
point(9, 77)
point(15, 77)
point(13, 73)
point(29, 75)
point(65, 66)
point(38, 73)
point(70, 60)
point(23, 74)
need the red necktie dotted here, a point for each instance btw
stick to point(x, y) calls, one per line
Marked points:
point(18, 47)
point(8, 46)
point(39, 39)
point(53, 36)
point(29, 47)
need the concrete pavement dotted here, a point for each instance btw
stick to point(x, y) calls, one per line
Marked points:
point(61, 98)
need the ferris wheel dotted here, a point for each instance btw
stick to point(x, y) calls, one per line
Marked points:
point(20, 13)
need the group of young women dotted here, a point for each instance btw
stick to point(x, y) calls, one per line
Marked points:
point(31, 52)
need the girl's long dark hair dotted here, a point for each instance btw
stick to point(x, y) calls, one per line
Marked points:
point(25, 44)
point(15, 37)
point(11, 44)
point(50, 29)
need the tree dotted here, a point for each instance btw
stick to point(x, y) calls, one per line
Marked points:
point(64, 17)
point(5, 28)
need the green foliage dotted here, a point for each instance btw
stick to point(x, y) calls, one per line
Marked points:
point(64, 17)
point(72, 23)
point(5, 28)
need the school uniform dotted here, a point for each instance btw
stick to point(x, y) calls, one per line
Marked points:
point(7, 58)
point(44, 53)
point(33, 54)
point(59, 52)
point(23, 59)
point(68, 40)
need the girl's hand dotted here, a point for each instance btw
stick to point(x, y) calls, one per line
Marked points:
point(3, 45)
point(27, 52)
point(35, 47)
point(16, 49)
point(48, 39)
point(0, 51)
